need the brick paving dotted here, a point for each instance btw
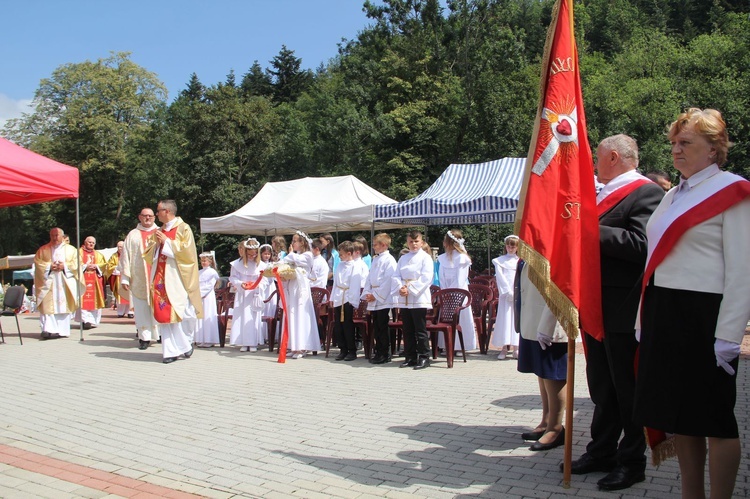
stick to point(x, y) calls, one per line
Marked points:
point(100, 418)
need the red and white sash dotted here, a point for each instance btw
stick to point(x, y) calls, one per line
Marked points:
point(716, 195)
point(618, 189)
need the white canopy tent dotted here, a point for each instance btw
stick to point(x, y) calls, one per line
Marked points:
point(16, 262)
point(312, 204)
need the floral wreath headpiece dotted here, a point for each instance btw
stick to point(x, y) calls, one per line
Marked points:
point(458, 240)
point(251, 243)
point(211, 255)
point(263, 246)
point(307, 238)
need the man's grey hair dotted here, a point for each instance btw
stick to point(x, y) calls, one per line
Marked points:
point(169, 204)
point(625, 146)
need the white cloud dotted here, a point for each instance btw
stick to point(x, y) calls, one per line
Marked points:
point(10, 108)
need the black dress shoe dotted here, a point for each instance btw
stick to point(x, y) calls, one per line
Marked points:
point(143, 345)
point(408, 363)
point(45, 335)
point(86, 326)
point(587, 464)
point(560, 440)
point(341, 356)
point(532, 435)
point(130, 316)
point(621, 477)
point(169, 360)
point(422, 363)
point(189, 353)
point(381, 360)
point(350, 357)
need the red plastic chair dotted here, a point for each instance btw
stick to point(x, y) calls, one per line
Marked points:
point(451, 301)
point(481, 296)
point(396, 329)
point(363, 323)
point(272, 321)
point(224, 303)
point(320, 298)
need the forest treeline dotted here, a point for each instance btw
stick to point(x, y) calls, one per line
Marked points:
point(421, 87)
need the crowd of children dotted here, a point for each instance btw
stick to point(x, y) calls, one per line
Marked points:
point(352, 276)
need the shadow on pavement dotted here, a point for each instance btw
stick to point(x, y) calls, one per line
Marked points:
point(454, 459)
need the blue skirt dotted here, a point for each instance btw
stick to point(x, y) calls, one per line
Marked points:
point(551, 363)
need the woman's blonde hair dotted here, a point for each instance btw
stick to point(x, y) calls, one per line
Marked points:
point(709, 124)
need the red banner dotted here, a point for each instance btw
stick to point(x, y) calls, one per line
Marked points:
point(557, 219)
point(284, 340)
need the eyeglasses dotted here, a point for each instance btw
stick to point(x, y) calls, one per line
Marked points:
point(146, 216)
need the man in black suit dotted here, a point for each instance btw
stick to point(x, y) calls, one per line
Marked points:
point(625, 204)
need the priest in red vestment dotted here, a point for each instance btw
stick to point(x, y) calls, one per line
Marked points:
point(112, 274)
point(175, 290)
point(93, 266)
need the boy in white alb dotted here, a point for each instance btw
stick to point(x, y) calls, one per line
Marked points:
point(414, 272)
point(345, 296)
point(319, 273)
point(380, 286)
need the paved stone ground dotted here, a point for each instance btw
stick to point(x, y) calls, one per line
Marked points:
point(231, 424)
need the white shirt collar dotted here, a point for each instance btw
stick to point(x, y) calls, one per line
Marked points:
point(619, 181)
point(687, 184)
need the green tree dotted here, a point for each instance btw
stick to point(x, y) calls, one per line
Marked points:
point(256, 82)
point(89, 115)
point(289, 81)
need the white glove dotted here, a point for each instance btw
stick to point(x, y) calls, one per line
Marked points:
point(544, 340)
point(638, 335)
point(725, 352)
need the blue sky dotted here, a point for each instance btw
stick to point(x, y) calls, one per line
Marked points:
point(172, 38)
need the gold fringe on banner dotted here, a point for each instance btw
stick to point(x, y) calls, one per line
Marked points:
point(663, 450)
point(560, 305)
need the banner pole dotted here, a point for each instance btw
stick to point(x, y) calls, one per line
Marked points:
point(569, 398)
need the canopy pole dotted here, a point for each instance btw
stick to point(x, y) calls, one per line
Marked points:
point(78, 284)
point(489, 256)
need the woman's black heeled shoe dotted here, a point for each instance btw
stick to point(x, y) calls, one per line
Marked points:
point(560, 440)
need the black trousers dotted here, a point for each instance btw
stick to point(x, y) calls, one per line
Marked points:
point(416, 338)
point(343, 330)
point(382, 335)
point(611, 379)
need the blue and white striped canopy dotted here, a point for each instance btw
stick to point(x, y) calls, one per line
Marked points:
point(464, 194)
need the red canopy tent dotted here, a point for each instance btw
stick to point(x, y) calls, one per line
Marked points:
point(27, 177)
